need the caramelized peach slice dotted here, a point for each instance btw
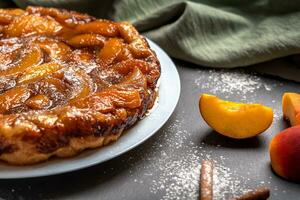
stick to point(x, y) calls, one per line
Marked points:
point(137, 45)
point(32, 24)
point(102, 27)
point(83, 55)
point(61, 15)
point(127, 31)
point(125, 54)
point(8, 57)
point(30, 57)
point(85, 86)
point(125, 94)
point(7, 15)
point(291, 107)
point(139, 48)
point(55, 49)
point(13, 98)
point(110, 51)
point(235, 120)
point(37, 72)
point(14, 11)
point(5, 18)
point(87, 39)
point(110, 99)
point(135, 79)
point(57, 83)
point(127, 66)
point(125, 99)
point(38, 102)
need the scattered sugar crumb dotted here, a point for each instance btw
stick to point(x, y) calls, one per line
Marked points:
point(239, 83)
point(177, 159)
point(178, 167)
point(228, 82)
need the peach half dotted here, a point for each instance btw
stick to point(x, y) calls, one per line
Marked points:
point(235, 120)
point(291, 108)
point(285, 153)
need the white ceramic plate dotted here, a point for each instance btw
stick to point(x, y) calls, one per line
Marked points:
point(169, 91)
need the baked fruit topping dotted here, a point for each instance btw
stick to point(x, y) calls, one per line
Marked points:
point(69, 82)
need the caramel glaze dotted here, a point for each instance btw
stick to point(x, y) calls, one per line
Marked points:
point(65, 77)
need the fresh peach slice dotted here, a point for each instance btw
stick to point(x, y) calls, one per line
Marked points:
point(37, 72)
point(32, 24)
point(102, 27)
point(13, 98)
point(87, 39)
point(291, 107)
point(110, 51)
point(235, 120)
point(30, 57)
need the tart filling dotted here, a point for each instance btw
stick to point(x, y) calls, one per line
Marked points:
point(69, 82)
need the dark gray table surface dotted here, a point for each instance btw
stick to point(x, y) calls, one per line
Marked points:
point(167, 165)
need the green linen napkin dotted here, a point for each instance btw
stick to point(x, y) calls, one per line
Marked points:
point(215, 33)
point(218, 33)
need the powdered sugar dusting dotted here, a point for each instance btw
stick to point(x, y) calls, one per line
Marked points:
point(240, 83)
point(174, 159)
point(231, 82)
point(225, 186)
point(178, 167)
point(236, 82)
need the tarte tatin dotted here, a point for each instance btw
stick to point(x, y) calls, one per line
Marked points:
point(69, 82)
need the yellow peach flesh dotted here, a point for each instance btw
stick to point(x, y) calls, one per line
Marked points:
point(291, 107)
point(235, 120)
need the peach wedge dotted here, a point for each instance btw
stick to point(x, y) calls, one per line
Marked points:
point(235, 120)
point(291, 108)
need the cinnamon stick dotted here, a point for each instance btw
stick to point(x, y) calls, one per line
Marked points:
point(260, 193)
point(206, 180)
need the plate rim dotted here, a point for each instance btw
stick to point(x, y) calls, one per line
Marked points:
point(162, 55)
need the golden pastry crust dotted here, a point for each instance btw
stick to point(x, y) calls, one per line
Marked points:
point(69, 82)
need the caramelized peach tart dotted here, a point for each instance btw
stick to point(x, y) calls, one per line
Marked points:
point(69, 82)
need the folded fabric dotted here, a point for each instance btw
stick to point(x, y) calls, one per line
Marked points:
point(218, 33)
point(213, 33)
